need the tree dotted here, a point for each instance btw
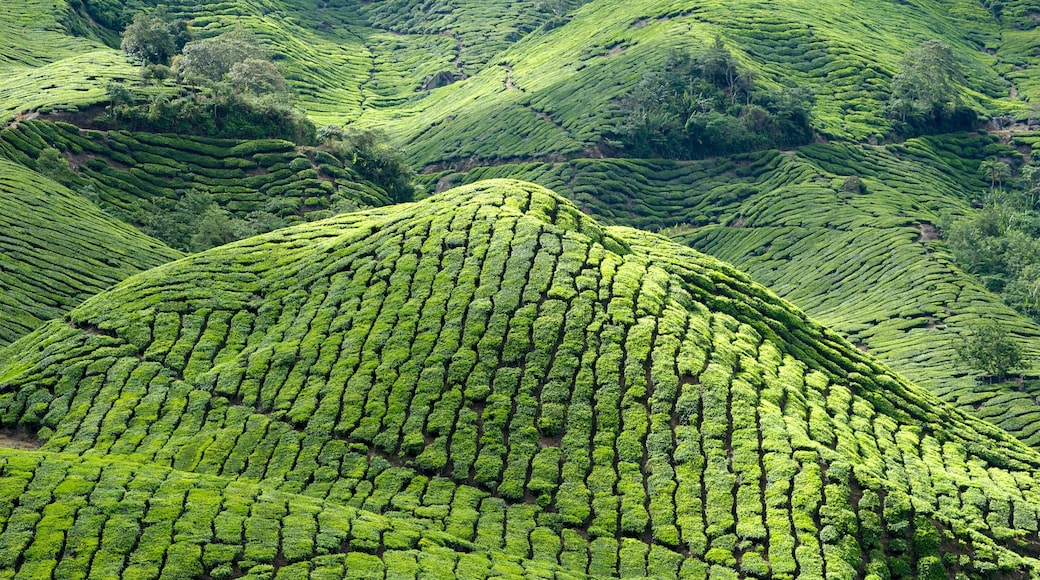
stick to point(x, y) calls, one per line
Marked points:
point(1029, 182)
point(53, 164)
point(153, 38)
point(996, 170)
point(989, 348)
point(257, 77)
point(212, 58)
point(371, 155)
point(926, 84)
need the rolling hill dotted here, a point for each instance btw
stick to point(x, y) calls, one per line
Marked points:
point(868, 263)
point(485, 383)
point(137, 175)
point(504, 380)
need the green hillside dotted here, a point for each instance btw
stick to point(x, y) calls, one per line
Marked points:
point(507, 379)
point(533, 88)
point(57, 249)
point(486, 383)
point(137, 176)
point(43, 66)
point(866, 263)
point(542, 79)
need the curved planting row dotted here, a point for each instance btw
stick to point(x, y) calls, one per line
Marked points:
point(66, 517)
point(530, 80)
point(43, 65)
point(57, 249)
point(132, 172)
point(496, 365)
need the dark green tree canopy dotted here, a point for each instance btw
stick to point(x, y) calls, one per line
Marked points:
point(257, 77)
point(927, 84)
point(154, 38)
point(990, 349)
point(212, 58)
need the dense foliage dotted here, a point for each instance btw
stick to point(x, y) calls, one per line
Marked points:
point(154, 38)
point(175, 186)
point(706, 105)
point(371, 155)
point(926, 93)
point(214, 113)
point(988, 348)
point(1000, 243)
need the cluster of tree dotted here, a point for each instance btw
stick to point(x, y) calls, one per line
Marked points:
point(988, 348)
point(195, 222)
point(226, 86)
point(1001, 242)
point(925, 95)
point(370, 153)
point(707, 104)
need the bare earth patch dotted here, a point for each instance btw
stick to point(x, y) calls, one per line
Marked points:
point(19, 440)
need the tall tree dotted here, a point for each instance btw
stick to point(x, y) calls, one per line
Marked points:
point(212, 58)
point(927, 82)
point(996, 170)
point(153, 37)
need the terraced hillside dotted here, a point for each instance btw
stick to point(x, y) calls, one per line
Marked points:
point(530, 90)
point(530, 80)
point(57, 249)
point(136, 175)
point(43, 66)
point(866, 262)
point(485, 383)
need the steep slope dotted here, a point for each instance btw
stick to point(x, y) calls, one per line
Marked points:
point(543, 79)
point(492, 364)
point(42, 65)
point(57, 249)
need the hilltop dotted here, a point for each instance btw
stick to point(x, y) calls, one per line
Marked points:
point(486, 382)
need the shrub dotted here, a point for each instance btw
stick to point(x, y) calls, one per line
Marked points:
point(988, 348)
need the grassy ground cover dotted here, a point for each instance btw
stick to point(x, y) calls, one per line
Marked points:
point(58, 249)
point(492, 365)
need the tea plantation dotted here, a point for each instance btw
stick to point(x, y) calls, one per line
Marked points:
point(59, 249)
point(485, 383)
point(506, 379)
point(538, 79)
point(865, 262)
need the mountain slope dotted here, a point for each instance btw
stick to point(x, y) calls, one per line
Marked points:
point(494, 364)
point(135, 175)
point(524, 81)
point(865, 261)
point(58, 249)
point(42, 65)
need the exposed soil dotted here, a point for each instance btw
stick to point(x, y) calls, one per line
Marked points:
point(18, 439)
point(928, 233)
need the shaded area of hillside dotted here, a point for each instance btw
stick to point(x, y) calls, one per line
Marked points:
point(141, 177)
point(494, 365)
